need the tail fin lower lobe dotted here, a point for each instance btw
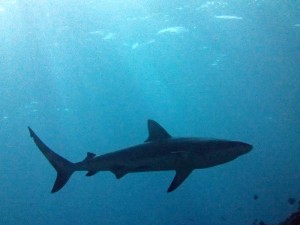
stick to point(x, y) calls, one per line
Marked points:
point(63, 167)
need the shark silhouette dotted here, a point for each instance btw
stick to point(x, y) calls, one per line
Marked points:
point(160, 152)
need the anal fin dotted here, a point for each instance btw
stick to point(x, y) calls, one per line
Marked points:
point(181, 175)
point(91, 173)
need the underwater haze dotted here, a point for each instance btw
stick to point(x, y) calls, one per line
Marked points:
point(87, 75)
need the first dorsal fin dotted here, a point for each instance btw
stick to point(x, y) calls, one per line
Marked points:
point(156, 132)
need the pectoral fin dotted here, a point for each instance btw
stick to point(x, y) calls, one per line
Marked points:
point(180, 176)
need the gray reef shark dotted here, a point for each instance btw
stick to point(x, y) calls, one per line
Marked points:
point(159, 152)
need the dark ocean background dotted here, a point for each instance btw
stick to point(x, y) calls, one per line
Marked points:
point(87, 75)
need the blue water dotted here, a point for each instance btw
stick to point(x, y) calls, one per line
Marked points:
point(86, 76)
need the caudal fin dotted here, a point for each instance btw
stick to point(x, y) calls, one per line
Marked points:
point(63, 167)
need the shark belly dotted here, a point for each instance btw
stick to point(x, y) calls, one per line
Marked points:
point(130, 163)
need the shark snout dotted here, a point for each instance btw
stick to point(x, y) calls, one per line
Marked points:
point(245, 147)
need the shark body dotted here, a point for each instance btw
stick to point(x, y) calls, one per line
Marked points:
point(160, 152)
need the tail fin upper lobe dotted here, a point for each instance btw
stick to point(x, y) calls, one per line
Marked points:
point(63, 167)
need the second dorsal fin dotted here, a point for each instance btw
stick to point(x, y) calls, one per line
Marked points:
point(89, 155)
point(156, 132)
